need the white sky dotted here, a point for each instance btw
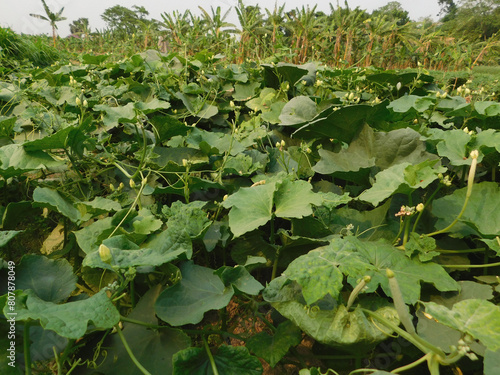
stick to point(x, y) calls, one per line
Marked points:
point(15, 14)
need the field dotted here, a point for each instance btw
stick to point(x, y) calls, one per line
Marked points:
point(175, 213)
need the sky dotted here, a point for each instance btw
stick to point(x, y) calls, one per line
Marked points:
point(16, 14)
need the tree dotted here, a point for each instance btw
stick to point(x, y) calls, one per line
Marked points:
point(51, 17)
point(393, 11)
point(449, 9)
point(475, 19)
point(124, 21)
point(80, 26)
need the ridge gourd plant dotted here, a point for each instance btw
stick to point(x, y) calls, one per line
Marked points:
point(182, 215)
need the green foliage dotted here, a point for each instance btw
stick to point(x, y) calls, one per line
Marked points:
point(197, 216)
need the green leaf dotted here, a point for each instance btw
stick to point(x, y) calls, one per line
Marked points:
point(298, 110)
point(407, 103)
point(482, 214)
point(320, 271)
point(198, 292)
point(369, 149)
point(423, 246)
point(46, 197)
point(245, 91)
point(115, 115)
point(69, 319)
point(241, 279)
point(152, 105)
point(171, 244)
point(477, 317)
point(452, 144)
point(51, 280)
point(492, 362)
point(153, 348)
point(90, 237)
point(189, 217)
point(55, 141)
point(341, 123)
point(328, 322)
point(401, 178)
point(229, 360)
point(250, 208)
point(146, 222)
point(167, 127)
point(294, 199)
point(15, 160)
point(7, 235)
point(273, 348)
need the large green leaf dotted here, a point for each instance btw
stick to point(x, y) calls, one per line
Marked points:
point(51, 280)
point(273, 348)
point(15, 160)
point(252, 207)
point(477, 317)
point(153, 348)
point(329, 322)
point(298, 110)
point(401, 178)
point(320, 271)
point(340, 123)
point(115, 115)
point(46, 197)
point(171, 244)
point(482, 215)
point(199, 291)
point(369, 149)
point(70, 319)
point(241, 279)
point(229, 360)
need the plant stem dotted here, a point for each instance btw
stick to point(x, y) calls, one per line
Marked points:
point(26, 345)
point(416, 340)
point(210, 357)
point(465, 266)
point(470, 183)
point(129, 351)
point(411, 365)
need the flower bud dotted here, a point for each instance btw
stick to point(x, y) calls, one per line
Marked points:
point(85, 103)
point(132, 183)
point(474, 154)
point(78, 102)
point(420, 207)
point(398, 86)
point(105, 254)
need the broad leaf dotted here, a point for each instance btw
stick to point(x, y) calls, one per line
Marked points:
point(477, 317)
point(70, 319)
point(229, 360)
point(46, 197)
point(401, 178)
point(171, 244)
point(153, 348)
point(482, 214)
point(51, 280)
point(199, 291)
point(273, 348)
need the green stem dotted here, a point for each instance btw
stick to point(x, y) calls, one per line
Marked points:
point(210, 357)
point(470, 183)
point(411, 365)
point(465, 266)
point(139, 193)
point(129, 351)
point(416, 340)
point(26, 345)
point(425, 206)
